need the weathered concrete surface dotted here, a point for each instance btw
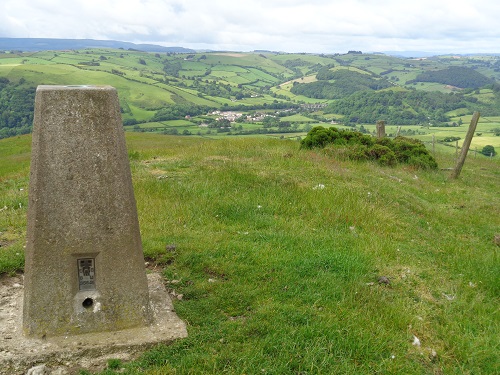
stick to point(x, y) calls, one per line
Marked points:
point(84, 267)
point(70, 354)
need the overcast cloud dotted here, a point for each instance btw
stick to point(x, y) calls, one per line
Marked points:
point(280, 25)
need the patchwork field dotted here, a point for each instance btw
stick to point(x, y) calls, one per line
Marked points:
point(257, 85)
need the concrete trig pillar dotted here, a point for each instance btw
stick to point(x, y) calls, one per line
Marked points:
point(84, 268)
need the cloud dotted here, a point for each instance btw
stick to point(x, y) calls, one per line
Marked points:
point(287, 25)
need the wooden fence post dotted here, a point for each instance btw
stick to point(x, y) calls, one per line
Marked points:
point(380, 129)
point(466, 145)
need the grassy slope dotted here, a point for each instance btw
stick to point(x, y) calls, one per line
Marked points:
point(279, 275)
point(14, 171)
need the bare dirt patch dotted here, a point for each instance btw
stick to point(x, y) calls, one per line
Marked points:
point(70, 354)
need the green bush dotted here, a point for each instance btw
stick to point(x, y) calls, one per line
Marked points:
point(383, 155)
point(354, 145)
point(353, 152)
point(488, 150)
point(423, 162)
point(413, 152)
point(320, 137)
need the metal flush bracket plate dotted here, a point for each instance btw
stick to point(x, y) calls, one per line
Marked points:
point(86, 274)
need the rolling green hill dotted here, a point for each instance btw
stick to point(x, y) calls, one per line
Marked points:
point(257, 85)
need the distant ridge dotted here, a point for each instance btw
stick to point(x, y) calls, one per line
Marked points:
point(409, 54)
point(423, 54)
point(49, 44)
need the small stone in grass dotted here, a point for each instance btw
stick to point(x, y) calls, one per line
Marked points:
point(384, 280)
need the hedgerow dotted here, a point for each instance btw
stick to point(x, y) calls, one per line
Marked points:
point(354, 145)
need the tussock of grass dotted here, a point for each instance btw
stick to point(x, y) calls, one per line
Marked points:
point(278, 252)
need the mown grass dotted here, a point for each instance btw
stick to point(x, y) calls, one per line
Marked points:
point(278, 252)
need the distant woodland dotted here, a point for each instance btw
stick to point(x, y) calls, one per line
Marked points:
point(403, 107)
point(16, 107)
point(457, 76)
point(339, 84)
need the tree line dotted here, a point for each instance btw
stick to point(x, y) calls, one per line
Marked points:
point(345, 83)
point(457, 76)
point(17, 101)
point(399, 107)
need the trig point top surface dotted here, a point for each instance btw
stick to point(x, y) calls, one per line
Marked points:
point(74, 87)
point(84, 267)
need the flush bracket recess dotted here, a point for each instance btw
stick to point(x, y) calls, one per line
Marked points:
point(86, 274)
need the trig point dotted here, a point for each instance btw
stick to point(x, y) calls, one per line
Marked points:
point(84, 267)
point(86, 292)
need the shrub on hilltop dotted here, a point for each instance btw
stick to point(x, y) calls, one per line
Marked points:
point(354, 145)
point(488, 150)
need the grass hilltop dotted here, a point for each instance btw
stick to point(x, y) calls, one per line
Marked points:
point(289, 261)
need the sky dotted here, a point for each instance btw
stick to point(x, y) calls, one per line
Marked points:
point(312, 26)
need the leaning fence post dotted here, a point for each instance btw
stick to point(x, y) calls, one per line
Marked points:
point(466, 145)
